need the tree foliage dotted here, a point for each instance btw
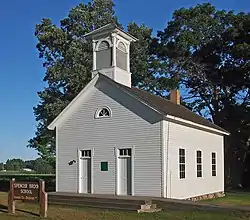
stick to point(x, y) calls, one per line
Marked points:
point(67, 59)
point(1, 166)
point(38, 165)
point(14, 164)
point(42, 166)
point(208, 51)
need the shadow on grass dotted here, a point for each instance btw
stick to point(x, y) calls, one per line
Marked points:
point(4, 209)
point(27, 212)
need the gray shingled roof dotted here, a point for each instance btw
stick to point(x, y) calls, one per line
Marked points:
point(165, 106)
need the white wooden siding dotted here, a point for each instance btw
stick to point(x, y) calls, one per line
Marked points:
point(131, 124)
point(191, 140)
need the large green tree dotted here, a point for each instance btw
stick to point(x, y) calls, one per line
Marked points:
point(208, 51)
point(67, 59)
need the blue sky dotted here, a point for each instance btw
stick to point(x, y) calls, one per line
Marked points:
point(21, 70)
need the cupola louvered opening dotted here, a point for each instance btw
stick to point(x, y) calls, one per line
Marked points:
point(121, 56)
point(103, 55)
point(122, 47)
point(104, 45)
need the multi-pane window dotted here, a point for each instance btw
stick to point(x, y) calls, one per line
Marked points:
point(125, 152)
point(213, 164)
point(182, 163)
point(199, 163)
point(86, 153)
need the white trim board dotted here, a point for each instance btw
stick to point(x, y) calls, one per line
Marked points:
point(168, 172)
point(57, 164)
point(111, 28)
point(164, 159)
point(132, 170)
point(116, 149)
point(195, 124)
point(78, 171)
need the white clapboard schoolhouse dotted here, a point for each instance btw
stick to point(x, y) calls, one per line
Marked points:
point(116, 139)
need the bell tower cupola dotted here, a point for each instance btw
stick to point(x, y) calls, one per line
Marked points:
point(111, 47)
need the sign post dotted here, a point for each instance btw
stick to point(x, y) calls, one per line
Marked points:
point(11, 202)
point(28, 191)
point(43, 199)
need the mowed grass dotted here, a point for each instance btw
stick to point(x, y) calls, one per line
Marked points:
point(232, 199)
point(30, 211)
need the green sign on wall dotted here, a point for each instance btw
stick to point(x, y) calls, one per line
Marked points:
point(104, 166)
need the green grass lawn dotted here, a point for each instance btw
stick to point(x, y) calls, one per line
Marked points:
point(30, 211)
point(232, 199)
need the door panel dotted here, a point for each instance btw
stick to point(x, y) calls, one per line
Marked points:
point(129, 176)
point(125, 180)
point(123, 177)
point(89, 176)
point(85, 175)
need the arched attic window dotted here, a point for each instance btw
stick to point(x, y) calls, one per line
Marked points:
point(103, 112)
point(103, 55)
point(121, 55)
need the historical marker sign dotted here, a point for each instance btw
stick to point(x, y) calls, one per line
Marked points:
point(28, 191)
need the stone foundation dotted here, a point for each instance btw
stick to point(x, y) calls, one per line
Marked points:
point(207, 196)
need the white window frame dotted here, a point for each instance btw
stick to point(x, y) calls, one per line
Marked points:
point(214, 164)
point(182, 163)
point(126, 151)
point(100, 109)
point(85, 151)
